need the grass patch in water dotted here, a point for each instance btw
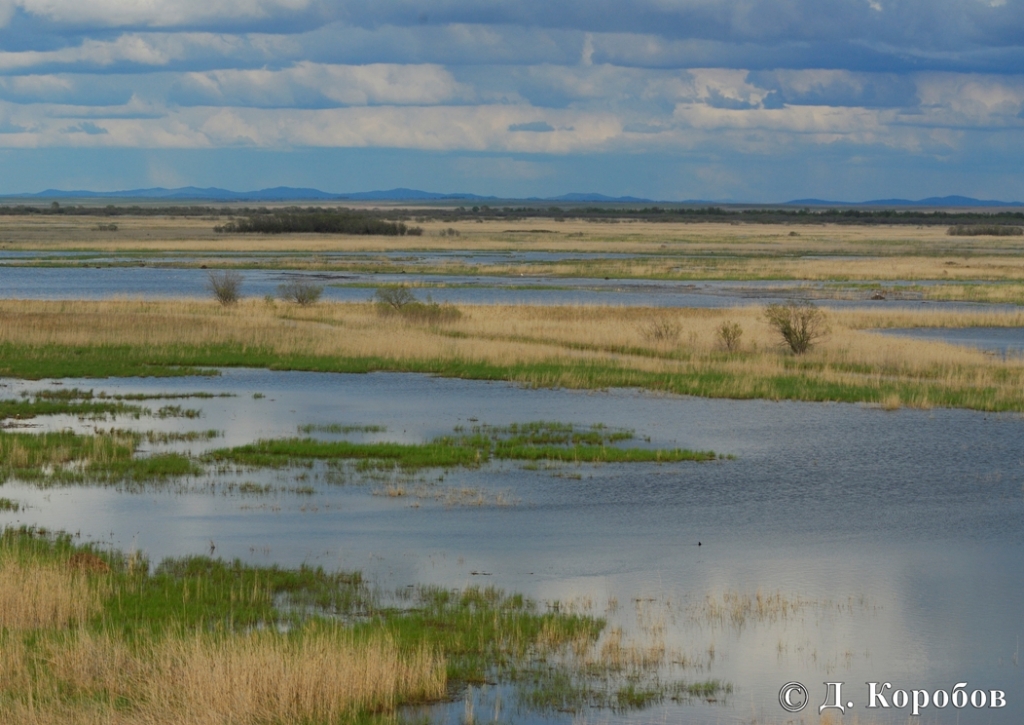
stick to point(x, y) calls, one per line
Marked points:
point(176, 411)
point(538, 441)
point(79, 394)
point(340, 428)
point(7, 504)
point(62, 458)
point(83, 403)
point(12, 409)
point(189, 436)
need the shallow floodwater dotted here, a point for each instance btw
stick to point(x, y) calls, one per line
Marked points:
point(155, 282)
point(1003, 340)
point(896, 538)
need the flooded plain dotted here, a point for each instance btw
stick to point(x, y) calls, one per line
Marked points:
point(143, 280)
point(1005, 341)
point(836, 543)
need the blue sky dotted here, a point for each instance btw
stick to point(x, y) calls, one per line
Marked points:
point(746, 100)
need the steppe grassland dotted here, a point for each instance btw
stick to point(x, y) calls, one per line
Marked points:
point(572, 346)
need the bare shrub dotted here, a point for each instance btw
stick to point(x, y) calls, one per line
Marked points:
point(430, 313)
point(800, 325)
point(300, 291)
point(394, 297)
point(226, 286)
point(729, 334)
point(660, 330)
point(399, 300)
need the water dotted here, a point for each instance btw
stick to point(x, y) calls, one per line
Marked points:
point(1003, 340)
point(900, 534)
point(105, 282)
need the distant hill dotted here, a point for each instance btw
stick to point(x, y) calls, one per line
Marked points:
point(288, 193)
point(932, 201)
point(595, 197)
point(409, 195)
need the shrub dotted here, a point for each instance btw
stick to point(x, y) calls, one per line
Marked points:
point(225, 286)
point(300, 292)
point(800, 325)
point(660, 330)
point(394, 297)
point(991, 230)
point(729, 334)
point(399, 300)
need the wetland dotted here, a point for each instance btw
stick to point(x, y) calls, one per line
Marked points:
point(522, 511)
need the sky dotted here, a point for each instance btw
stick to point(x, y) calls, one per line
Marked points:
point(725, 100)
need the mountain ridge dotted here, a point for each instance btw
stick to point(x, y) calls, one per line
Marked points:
point(288, 193)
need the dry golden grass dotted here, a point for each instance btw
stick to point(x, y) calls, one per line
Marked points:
point(565, 335)
point(204, 679)
point(52, 670)
point(175, 234)
point(37, 594)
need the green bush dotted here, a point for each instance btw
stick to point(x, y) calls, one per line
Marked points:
point(800, 325)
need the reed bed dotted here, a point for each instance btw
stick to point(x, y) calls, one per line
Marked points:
point(322, 676)
point(42, 592)
point(569, 346)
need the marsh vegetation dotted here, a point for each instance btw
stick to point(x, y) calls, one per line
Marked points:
point(103, 636)
point(567, 346)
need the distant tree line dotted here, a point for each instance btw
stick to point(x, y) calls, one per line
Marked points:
point(683, 214)
point(322, 222)
point(344, 220)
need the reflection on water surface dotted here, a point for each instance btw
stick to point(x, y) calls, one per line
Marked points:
point(843, 543)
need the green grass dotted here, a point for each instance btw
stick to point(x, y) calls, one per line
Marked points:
point(539, 441)
point(797, 383)
point(79, 394)
point(164, 437)
point(563, 688)
point(24, 409)
point(340, 428)
point(62, 458)
point(7, 504)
